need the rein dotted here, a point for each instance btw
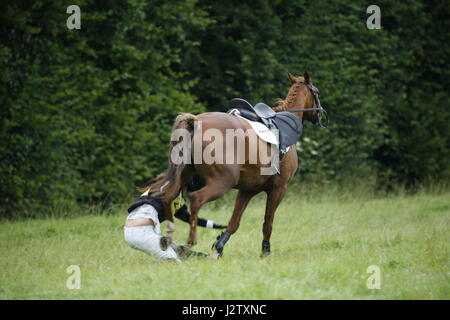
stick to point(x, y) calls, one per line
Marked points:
point(304, 110)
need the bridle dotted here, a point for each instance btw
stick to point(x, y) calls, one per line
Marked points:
point(321, 117)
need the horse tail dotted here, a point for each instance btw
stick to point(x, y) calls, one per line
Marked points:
point(168, 183)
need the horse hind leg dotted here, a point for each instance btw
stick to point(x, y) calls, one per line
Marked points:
point(210, 192)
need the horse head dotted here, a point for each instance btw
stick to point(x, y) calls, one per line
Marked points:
point(303, 100)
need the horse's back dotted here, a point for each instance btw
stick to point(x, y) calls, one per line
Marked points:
point(221, 121)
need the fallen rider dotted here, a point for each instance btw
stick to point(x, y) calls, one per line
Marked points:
point(142, 227)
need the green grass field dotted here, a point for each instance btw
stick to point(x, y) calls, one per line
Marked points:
point(322, 245)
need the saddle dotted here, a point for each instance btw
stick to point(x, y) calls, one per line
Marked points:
point(288, 125)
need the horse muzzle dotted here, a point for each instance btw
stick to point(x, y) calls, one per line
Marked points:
point(321, 118)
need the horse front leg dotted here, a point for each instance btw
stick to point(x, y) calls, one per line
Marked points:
point(274, 197)
point(242, 200)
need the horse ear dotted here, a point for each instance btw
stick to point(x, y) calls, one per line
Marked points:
point(291, 77)
point(307, 77)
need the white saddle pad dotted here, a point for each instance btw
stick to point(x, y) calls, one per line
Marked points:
point(261, 130)
point(266, 135)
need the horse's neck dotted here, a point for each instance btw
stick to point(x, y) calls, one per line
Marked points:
point(290, 103)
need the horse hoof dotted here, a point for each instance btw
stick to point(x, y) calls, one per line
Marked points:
point(215, 254)
point(191, 243)
point(265, 249)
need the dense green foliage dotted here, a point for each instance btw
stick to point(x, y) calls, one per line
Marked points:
point(85, 114)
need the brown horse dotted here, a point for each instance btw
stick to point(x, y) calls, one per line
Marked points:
point(246, 177)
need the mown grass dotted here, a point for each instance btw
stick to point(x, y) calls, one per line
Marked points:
point(322, 245)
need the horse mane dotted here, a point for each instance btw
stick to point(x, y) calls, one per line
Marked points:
point(282, 105)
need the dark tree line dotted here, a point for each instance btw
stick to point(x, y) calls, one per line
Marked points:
point(86, 114)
